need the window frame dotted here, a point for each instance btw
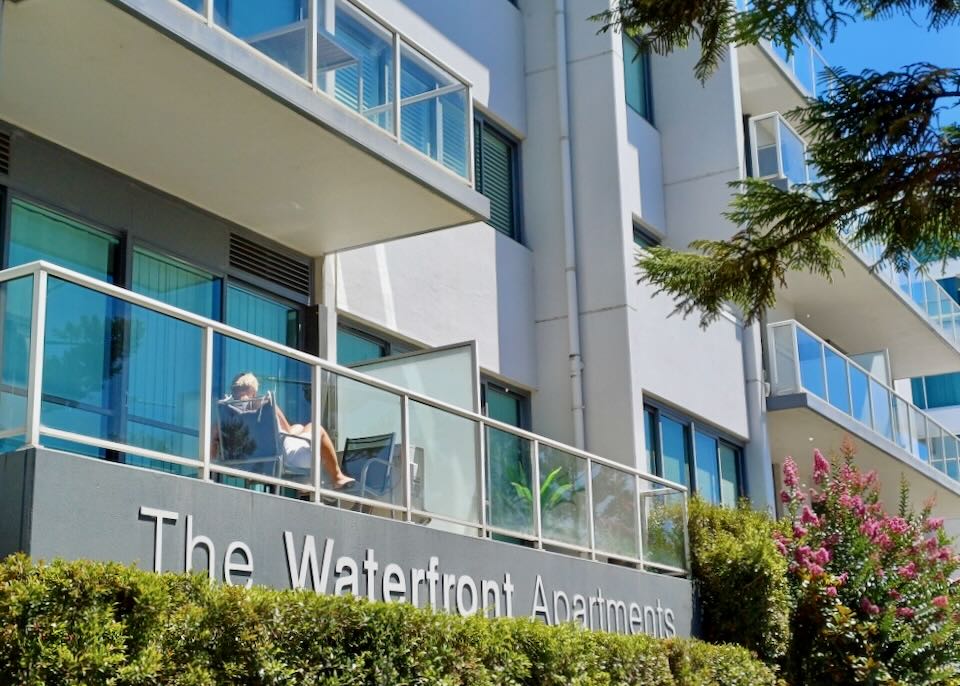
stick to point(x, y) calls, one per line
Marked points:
point(694, 426)
point(648, 239)
point(482, 122)
point(499, 387)
point(392, 346)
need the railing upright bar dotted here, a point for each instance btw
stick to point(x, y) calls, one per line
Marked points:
point(206, 401)
point(312, 22)
point(482, 475)
point(795, 344)
point(38, 325)
point(535, 491)
point(593, 536)
point(397, 75)
point(407, 461)
point(208, 11)
point(471, 143)
point(316, 409)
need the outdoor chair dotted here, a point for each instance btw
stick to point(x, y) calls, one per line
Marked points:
point(370, 460)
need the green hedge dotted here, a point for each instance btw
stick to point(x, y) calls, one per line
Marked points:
point(744, 592)
point(95, 623)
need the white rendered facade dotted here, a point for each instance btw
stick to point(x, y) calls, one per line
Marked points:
point(384, 265)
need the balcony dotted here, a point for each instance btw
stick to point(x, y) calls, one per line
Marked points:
point(867, 306)
point(286, 117)
point(772, 80)
point(97, 371)
point(818, 395)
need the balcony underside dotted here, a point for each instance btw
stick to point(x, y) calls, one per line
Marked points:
point(764, 86)
point(799, 423)
point(142, 86)
point(858, 312)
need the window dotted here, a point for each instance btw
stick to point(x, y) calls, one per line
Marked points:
point(694, 455)
point(636, 71)
point(355, 345)
point(263, 315)
point(643, 238)
point(496, 165)
point(504, 405)
point(176, 283)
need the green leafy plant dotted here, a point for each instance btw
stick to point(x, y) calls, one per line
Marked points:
point(554, 491)
point(73, 623)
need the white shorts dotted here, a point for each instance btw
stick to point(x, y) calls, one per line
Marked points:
point(297, 453)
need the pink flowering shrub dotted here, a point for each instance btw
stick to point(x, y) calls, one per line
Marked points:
point(874, 601)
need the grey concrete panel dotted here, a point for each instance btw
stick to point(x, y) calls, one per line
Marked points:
point(83, 508)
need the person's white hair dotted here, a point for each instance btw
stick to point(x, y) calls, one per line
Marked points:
point(243, 383)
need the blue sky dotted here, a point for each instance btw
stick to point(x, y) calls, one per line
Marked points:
point(891, 43)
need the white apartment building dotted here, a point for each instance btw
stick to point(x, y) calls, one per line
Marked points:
point(447, 197)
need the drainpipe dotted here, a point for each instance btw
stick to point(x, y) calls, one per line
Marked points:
point(757, 455)
point(569, 235)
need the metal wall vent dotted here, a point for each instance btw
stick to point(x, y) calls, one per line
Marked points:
point(281, 269)
point(4, 153)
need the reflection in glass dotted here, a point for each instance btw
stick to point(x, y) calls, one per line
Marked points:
point(663, 530)
point(811, 364)
point(563, 497)
point(837, 391)
point(860, 396)
point(278, 29)
point(880, 397)
point(16, 301)
point(614, 511)
point(509, 481)
point(708, 468)
point(675, 449)
point(729, 483)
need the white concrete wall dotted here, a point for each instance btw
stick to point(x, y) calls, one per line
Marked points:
point(448, 287)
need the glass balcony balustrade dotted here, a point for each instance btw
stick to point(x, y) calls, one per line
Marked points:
point(102, 372)
point(805, 63)
point(778, 153)
point(800, 362)
point(341, 50)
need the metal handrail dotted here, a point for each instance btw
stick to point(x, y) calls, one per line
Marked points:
point(41, 271)
point(795, 325)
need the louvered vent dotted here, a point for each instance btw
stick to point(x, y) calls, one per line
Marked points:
point(269, 264)
point(4, 153)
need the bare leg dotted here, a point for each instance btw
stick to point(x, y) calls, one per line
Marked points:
point(328, 455)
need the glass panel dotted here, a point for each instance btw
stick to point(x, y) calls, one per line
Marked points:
point(901, 419)
point(434, 111)
point(355, 61)
point(509, 479)
point(504, 407)
point(918, 426)
point(837, 392)
point(263, 316)
point(495, 178)
point(708, 468)
point(786, 380)
point(16, 303)
point(563, 497)
point(674, 450)
point(768, 160)
point(195, 5)
point(176, 284)
point(262, 411)
point(918, 392)
point(352, 348)
point(364, 425)
point(935, 442)
point(120, 372)
point(950, 450)
point(448, 375)
point(794, 157)
point(449, 462)
point(880, 397)
point(38, 234)
point(636, 71)
point(615, 511)
point(942, 390)
point(729, 482)
point(860, 396)
point(811, 364)
point(663, 525)
point(278, 29)
point(803, 67)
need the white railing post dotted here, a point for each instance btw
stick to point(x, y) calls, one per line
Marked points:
point(406, 453)
point(795, 344)
point(482, 475)
point(396, 86)
point(206, 400)
point(312, 43)
point(535, 492)
point(471, 143)
point(316, 430)
point(208, 11)
point(38, 324)
point(593, 541)
point(640, 523)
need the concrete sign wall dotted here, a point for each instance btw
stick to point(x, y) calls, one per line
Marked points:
point(55, 505)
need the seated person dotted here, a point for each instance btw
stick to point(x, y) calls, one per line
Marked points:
point(296, 444)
